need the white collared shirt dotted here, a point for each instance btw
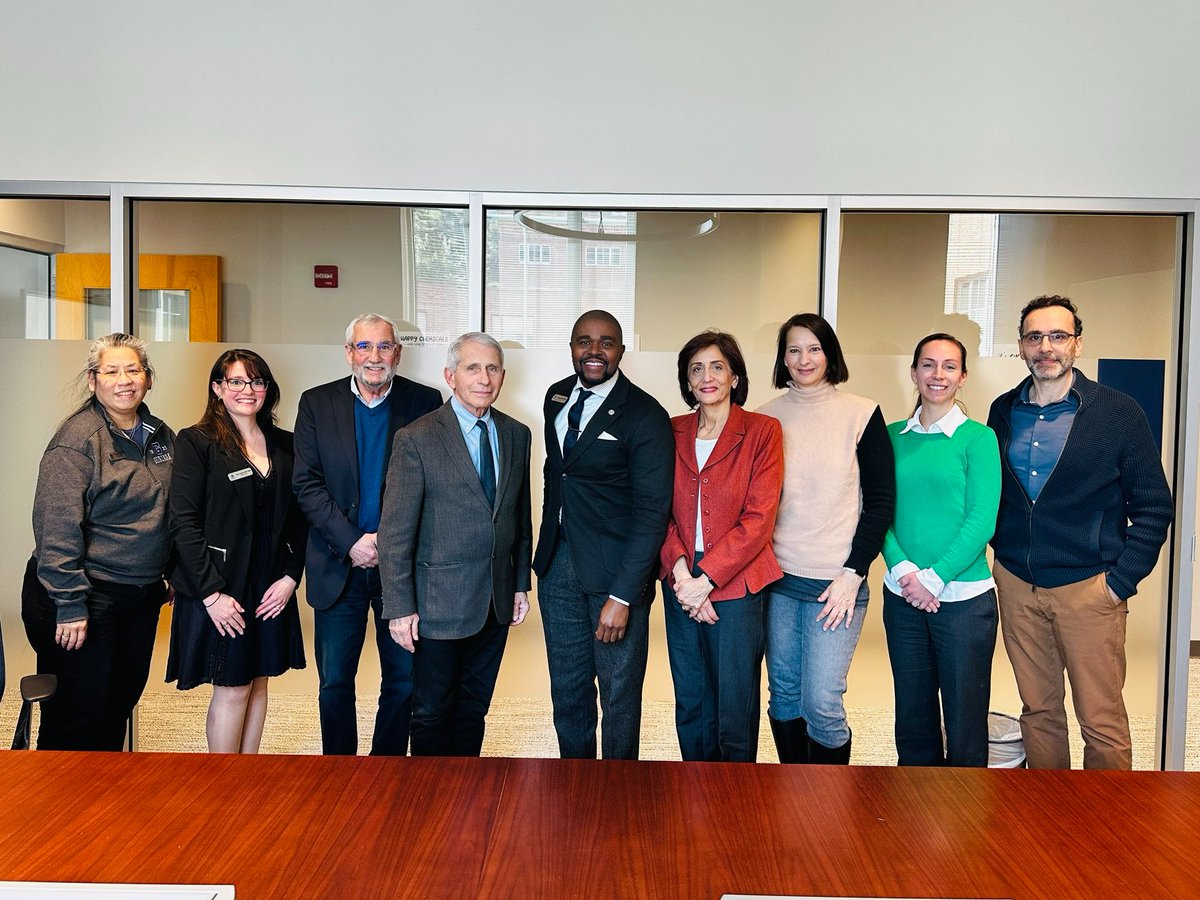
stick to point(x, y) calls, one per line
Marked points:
point(947, 424)
point(944, 592)
point(599, 394)
point(369, 404)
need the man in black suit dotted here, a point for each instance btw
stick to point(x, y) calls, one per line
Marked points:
point(454, 548)
point(344, 433)
point(608, 479)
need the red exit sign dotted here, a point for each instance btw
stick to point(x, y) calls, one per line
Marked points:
point(325, 276)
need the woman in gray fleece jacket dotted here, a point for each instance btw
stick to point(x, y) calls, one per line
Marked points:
point(94, 587)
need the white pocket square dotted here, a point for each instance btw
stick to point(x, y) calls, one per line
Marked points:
point(605, 436)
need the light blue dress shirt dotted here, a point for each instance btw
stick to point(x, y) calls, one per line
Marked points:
point(1038, 436)
point(466, 421)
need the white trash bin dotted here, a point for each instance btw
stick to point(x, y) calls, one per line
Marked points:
point(1005, 747)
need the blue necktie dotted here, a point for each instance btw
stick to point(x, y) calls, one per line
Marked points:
point(574, 417)
point(487, 468)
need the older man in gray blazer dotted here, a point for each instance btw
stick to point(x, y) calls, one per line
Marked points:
point(454, 548)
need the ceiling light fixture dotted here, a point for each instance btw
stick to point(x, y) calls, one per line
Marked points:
point(708, 226)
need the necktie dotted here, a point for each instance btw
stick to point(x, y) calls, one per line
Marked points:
point(487, 468)
point(574, 417)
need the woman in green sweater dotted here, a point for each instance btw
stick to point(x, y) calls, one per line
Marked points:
point(939, 607)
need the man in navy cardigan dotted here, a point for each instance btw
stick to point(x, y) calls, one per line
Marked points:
point(1084, 511)
point(344, 433)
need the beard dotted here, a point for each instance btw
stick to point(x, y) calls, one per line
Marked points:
point(1048, 368)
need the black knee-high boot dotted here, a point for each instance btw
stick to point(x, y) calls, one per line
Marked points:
point(791, 739)
point(829, 756)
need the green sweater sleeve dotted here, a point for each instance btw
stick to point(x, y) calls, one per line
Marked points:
point(981, 504)
point(892, 551)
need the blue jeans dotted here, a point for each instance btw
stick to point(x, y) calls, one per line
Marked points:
point(806, 666)
point(947, 652)
point(716, 670)
point(340, 632)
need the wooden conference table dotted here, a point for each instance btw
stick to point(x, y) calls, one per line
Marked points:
point(298, 826)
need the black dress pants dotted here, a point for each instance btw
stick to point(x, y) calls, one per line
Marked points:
point(453, 681)
point(101, 682)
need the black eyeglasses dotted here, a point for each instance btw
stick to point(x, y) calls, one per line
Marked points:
point(258, 385)
point(1057, 338)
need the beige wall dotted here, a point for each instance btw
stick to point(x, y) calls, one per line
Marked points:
point(33, 224)
point(268, 251)
point(754, 271)
point(87, 226)
point(891, 280)
point(55, 226)
point(1120, 270)
point(937, 97)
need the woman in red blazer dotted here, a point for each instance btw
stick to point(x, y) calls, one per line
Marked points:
point(717, 558)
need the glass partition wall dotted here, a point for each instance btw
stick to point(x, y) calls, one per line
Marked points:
point(903, 275)
point(663, 274)
point(523, 266)
point(42, 295)
point(296, 273)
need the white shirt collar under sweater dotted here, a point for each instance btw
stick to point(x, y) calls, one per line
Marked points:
point(947, 424)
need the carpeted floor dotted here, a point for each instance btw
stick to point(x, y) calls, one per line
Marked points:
point(173, 721)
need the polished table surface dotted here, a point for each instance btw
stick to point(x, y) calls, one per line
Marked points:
point(299, 826)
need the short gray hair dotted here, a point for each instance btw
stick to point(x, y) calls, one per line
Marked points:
point(454, 352)
point(366, 318)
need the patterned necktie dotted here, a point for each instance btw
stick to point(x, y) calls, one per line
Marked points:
point(487, 468)
point(574, 417)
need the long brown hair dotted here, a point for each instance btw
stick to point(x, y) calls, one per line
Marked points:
point(216, 423)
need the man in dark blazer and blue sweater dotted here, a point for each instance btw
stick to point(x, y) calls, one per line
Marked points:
point(455, 546)
point(1084, 510)
point(608, 479)
point(344, 433)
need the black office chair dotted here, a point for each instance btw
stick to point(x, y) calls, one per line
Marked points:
point(34, 689)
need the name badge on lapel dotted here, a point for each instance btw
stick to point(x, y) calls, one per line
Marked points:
point(558, 398)
point(240, 474)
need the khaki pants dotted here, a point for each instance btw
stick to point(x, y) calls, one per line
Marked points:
point(1077, 628)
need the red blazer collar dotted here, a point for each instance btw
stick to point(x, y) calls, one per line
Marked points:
point(685, 428)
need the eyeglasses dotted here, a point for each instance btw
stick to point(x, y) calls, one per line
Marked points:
point(1057, 338)
point(258, 385)
point(130, 372)
point(385, 348)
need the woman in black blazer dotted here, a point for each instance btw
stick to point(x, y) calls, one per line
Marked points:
point(240, 537)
